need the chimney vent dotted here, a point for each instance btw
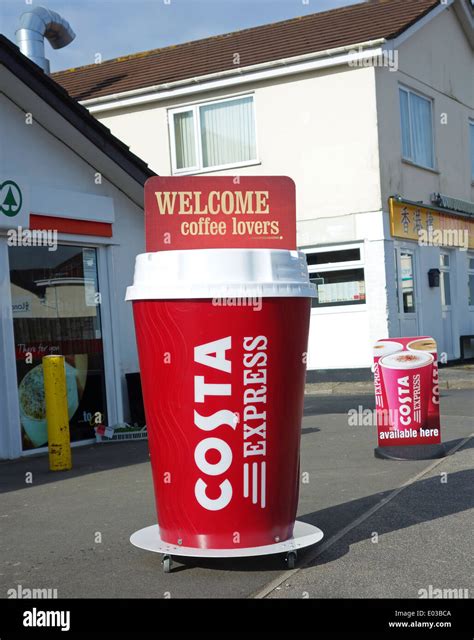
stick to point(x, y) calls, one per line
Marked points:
point(39, 23)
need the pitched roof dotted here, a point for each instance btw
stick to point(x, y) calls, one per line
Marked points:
point(78, 116)
point(307, 34)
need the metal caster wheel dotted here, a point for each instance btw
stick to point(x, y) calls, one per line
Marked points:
point(291, 559)
point(166, 562)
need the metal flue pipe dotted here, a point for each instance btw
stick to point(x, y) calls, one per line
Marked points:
point(39, 23)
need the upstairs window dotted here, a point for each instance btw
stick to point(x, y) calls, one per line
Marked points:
point(213, 135)
point(416, 114)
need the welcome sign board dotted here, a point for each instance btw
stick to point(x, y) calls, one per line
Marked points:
point(196, 212)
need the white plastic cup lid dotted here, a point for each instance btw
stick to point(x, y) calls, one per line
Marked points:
point(216, 273)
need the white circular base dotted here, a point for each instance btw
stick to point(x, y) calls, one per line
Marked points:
point(304, 535)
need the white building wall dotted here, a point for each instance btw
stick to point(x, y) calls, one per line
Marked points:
point(49, 164)
point(438, 62)
point(319, 128)
point(53, 178)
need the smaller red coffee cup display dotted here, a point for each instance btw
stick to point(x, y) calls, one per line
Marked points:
point(407, 380)
point(406, 391)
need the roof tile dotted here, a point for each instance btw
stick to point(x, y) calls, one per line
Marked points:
point(303, 35)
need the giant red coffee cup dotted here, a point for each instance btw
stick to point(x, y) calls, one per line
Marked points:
point(407, 382)
point(222, 339)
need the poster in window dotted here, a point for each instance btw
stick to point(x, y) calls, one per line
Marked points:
point(85, 392)
point(56, 312)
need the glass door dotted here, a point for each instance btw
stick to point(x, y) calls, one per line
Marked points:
point(56, 310)
point(445, 267)
point(407, 293)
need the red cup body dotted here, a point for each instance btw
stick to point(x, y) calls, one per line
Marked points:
point(223, 390)
point(408, 393)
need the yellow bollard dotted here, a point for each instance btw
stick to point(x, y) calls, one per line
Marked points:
point(55, 391)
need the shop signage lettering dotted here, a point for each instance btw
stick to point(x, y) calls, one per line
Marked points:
point(430, 227)
point(214, 356)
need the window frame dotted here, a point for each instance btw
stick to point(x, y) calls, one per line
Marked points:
point(471, 147)
point(195, 109)
point(404, 250)
point(171, 115)
point(445, 269)
point(470, 272)
point(429, 99)
point(338, 266)
point(109, 333)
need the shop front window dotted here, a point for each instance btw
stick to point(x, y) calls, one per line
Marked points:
point(470, 280)
point(56, 311)
point(408, 282)
point(338, 275)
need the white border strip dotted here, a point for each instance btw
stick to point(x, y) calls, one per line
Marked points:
point(254, 483)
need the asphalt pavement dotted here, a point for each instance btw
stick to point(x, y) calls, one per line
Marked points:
point(70, 531)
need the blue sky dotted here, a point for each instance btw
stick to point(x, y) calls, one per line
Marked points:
point(119, 27)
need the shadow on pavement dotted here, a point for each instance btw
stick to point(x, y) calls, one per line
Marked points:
point(423, 501)
point(306, 430)
point(315, 404)
point(87, 459)
point(323, 405)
